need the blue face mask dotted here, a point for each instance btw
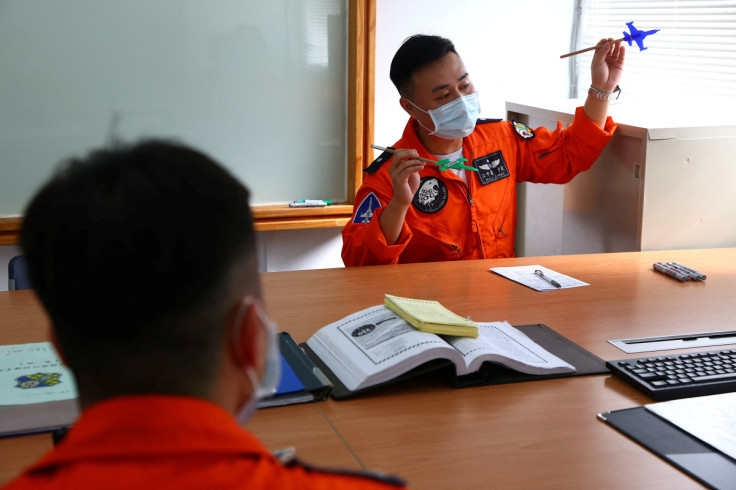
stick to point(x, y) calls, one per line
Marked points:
point(268, 383)
point(455, 119)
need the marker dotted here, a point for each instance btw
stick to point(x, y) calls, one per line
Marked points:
point(549, 280)
point(692, 272)
point(670, 271)
point(427, 160)
point(681, 270)
point(311, 203)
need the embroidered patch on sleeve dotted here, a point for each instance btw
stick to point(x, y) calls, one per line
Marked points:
point(523, 130)
point(366, 208)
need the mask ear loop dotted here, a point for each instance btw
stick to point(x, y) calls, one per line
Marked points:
point(431, 132)
point(239, 318)
point(256, 384)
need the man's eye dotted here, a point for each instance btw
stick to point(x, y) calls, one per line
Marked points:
point(466, 86)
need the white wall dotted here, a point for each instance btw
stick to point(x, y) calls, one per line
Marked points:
point(511, 50)
point(277, 251)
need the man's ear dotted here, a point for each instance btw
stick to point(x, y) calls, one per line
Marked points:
point(244, 335)
point(406, 105)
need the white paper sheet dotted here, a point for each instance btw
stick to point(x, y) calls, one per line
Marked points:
point(526, 275)
point(712, 419)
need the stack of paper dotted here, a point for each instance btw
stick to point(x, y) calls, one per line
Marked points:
point(430, 316)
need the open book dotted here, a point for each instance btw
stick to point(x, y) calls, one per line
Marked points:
point(375, 345)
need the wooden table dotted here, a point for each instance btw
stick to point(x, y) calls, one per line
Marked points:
point(541, 434)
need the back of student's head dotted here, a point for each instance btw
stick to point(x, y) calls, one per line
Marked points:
point(138, 253)
point(414, 53)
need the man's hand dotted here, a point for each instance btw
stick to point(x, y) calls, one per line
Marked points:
point(605, 73)
point(404, 172)
point(608, 65)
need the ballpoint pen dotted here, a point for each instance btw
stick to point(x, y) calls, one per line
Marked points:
point(549, 280)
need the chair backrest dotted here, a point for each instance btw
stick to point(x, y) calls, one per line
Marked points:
point(18, 274)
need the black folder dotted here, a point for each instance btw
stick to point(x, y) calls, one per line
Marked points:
point(316, 385)
point(676, 446)
point(585, 363)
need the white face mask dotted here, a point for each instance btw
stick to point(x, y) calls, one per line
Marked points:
point(268, 383)
point(455, 119)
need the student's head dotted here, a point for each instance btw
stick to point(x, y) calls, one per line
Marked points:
point(428, 73)
point(144, 258)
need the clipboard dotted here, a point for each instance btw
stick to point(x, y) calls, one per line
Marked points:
point(679, 448)
point(585, 363)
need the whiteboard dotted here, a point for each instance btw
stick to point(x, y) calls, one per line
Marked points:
point(259, 86)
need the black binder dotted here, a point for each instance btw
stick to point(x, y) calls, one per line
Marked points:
point(585, 363)
point(699, 460)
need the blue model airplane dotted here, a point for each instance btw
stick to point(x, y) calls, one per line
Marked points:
point(637, 36)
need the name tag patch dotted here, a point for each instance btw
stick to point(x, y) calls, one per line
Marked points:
point(491, 168)
point(431, 196)
point(366, 208)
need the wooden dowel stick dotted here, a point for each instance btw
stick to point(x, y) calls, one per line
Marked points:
point(588, 49)
point(421, 159)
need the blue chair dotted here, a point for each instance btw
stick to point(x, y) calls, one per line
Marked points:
point(18, 274)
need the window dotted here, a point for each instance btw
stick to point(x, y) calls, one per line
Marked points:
point(693, 54)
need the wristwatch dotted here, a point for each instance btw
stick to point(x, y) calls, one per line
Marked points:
point(603, 95)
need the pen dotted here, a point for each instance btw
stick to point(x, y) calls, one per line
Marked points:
point(549, 280)
point(421, 159)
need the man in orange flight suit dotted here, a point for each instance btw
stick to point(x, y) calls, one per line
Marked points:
point(410, 211)
point(162, 324)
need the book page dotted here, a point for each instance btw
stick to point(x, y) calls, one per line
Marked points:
point(33, 373)
point(375, 345)
point(500, 342)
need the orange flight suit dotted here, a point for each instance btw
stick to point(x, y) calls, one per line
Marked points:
point(451, 220)
point(162, 442)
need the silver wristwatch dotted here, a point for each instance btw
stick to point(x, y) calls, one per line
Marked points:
point(603, 95)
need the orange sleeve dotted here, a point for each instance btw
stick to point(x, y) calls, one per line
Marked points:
point(557, 156)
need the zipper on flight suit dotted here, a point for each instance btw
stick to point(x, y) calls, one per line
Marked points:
point(470, 200)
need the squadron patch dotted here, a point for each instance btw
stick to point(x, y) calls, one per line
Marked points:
point(491, 168)
point(523, 130)
point(431, 196)
point(365, 211)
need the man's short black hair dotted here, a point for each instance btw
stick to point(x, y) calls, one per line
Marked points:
point(415, 52)
point(132, 251)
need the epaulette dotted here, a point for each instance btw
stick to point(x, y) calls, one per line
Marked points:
point(486, 120)
point(373, 167)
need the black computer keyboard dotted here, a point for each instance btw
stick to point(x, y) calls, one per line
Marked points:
point(681, 375)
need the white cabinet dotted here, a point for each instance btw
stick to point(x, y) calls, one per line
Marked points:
point(666, 180)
